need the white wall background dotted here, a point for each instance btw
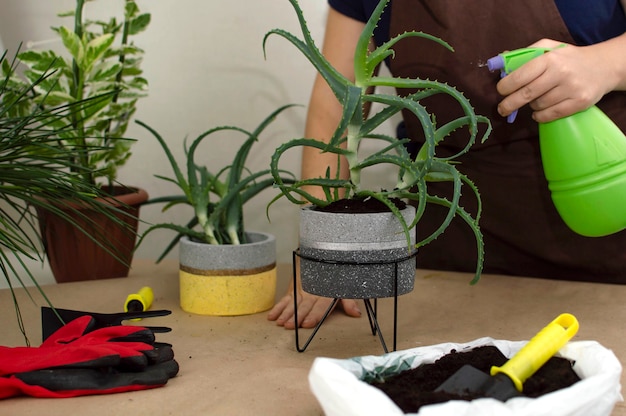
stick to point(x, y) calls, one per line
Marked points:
point(205, 66)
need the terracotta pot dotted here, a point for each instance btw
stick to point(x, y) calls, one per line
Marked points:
point(74, 256)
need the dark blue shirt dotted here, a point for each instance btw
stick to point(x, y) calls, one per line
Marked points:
point(592, 21)
point(589, 21)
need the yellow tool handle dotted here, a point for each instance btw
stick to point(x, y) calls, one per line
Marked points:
point(539, 350)
point(145, 296)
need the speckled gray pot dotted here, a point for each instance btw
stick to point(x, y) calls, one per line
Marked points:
point(328, 239)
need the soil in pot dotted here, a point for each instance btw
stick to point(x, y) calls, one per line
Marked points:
point(414, 388)
point(360, 206)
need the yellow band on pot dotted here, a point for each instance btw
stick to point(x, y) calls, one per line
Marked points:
point(227, 295)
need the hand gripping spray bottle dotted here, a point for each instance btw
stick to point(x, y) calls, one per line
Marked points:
point(584, 160)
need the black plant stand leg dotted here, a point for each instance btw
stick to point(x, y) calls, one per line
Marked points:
point(371, 314)
point(317, 327)
point(372, 317)
point(295, 312)
point(395, 308)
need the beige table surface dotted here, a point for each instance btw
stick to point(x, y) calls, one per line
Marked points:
point(249, 366)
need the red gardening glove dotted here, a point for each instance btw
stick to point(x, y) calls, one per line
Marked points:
point(133, 344)
point(74, 346)
point(76, 362)
point(83, 330)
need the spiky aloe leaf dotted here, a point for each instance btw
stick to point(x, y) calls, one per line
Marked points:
point(337, 82)
point(180, 178)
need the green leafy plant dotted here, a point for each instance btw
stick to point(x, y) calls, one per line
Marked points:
point(102, 62)
point(33, 174)
point(217, 198)
point(355, 127)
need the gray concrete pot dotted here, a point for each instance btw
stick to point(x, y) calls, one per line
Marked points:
point(228, 279)
point(335, 247)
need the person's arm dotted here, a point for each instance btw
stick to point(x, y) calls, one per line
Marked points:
point(324, 114)
point(565, 80)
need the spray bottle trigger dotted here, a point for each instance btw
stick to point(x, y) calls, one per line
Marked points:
point(497, 63)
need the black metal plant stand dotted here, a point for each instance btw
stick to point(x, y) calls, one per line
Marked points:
point(372, 311)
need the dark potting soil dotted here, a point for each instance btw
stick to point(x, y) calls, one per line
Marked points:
point(360, 206)
point(414, 388)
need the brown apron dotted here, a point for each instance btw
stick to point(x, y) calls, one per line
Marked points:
point(523, 233)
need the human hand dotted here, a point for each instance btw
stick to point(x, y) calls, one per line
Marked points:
point(311, 309)
point(559, 83)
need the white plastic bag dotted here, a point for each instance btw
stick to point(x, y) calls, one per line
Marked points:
point(339, 388)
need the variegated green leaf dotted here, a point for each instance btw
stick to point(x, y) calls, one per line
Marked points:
point(72, 43)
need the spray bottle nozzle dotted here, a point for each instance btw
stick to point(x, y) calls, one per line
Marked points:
point(496, 63)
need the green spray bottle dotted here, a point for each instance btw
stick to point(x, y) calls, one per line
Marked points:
point(584, 161)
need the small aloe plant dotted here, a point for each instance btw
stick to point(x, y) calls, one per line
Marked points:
point(354, 127)
point(216, 198)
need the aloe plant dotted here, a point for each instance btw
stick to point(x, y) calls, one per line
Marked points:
point(102, 61)
point(413, 174)
point(217, 198)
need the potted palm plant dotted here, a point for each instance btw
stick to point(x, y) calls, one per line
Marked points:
point(225, 269)
point(34, 172)
point(347, 254)
point(100, 61)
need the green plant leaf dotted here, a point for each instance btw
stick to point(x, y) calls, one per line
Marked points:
point(180, 178)
point(72, 43)
point(104, 71)
point(337, 82)
point(94, 50)
point(139, 24)
point(41, 61)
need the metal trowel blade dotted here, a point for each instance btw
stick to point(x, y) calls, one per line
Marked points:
point(470, 381)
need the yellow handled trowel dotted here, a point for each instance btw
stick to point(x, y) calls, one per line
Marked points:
point(507, 381)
